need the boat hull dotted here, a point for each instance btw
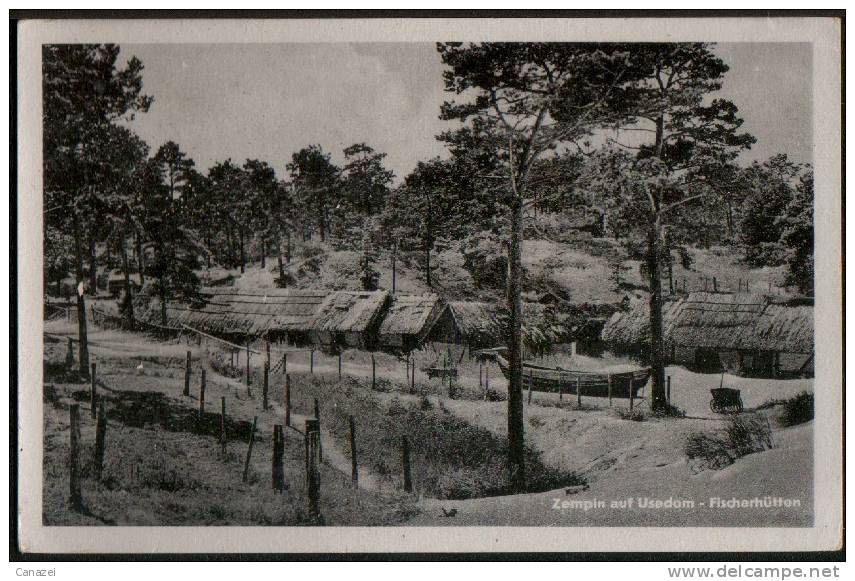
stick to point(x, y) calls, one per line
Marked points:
point(615, 385)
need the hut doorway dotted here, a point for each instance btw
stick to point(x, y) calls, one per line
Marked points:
point(707, 359)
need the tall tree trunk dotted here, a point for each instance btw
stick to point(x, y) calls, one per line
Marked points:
point(288, 247)
point(208, 247)
point(658, 400)
point(93, 267)
point(129, 297)
point(427, 264)
point(322, 225)
point(242, 252)
point(263, 252)
point(83, 351)
point(516, 427)
point(280, 264)
point(140, 258)
point(657, 361)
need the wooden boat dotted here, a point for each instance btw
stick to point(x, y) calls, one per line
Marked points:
point(568, 381)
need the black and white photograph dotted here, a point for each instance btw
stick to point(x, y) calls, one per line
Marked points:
point(557, 280)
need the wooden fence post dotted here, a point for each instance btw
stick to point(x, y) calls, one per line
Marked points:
point(75, 499)
point(480, 374)
point(339, 365)
point(373, 372)
point(631, 393)
point(313, 477)
point(714, 284)
point(413, 380)
point(530, 384)
point(284, 364)
point(278, 467)
point(267, 352)
point(69, 355)
point(186, 391)
point(93, 393)
point(669, 390)
point(312, 361)
point(100, 439)
point(560, 389)
point(248, 377)
point(354, 467)
point(202, 396)
point(223, 425)
point(287, 400)
point(578, 392)
point(232, 357)
point(249, 448)
point(405, 460)
point(264, 384)
point(318, 417)
point(610, 389)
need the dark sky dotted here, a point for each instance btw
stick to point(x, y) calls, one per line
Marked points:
point(268, 100)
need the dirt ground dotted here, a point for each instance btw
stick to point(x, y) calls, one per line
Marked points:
point(187, 482)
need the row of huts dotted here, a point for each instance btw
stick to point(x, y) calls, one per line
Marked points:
point(745, 333)
point(362, 319)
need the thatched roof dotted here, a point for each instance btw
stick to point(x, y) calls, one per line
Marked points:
point(486, 323)
point(412, 315)
point(720, 320)
point(230, 310)
point(349, 311)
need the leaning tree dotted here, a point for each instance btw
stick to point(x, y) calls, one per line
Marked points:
point(527, 99)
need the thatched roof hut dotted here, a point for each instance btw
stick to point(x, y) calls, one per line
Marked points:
point(721, 320)
point(230, 311)
point(349, 316)
point(739, 323)
point(485, 324)
point(410, 319)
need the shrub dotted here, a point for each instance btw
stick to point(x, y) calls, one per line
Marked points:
point(671, 411)
point(493, 395)
point(743, 435)
point(797, 410)
point(635, 414)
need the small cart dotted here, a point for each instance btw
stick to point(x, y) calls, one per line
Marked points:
point(726, 400)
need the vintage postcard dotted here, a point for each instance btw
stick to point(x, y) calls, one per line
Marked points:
point(430, 285)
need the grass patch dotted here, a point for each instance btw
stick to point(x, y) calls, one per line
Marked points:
point(451, 459)
point(742, 435)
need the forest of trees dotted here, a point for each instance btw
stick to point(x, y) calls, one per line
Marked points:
point(542, 128)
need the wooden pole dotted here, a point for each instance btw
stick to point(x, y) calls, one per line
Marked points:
point(285, 364)
point(69, 355)
point(248, 377)
point(312, 361)
point(278, 468)
point(610, 389)
point(714, 284)
point(405, 460)
point(223, 425)
point(373, 372)
point(487, 378)
point(313, 477)
point(318, 417)
point(100, 439)
point(186, 391)
point(267, 352)
point(264, 385)
point(530, 384)
point(631, 393)
point(413, 371)
point(232, 357)
point(354, 467)
point(668, 394)
point(287, 400)
point(75, 499)
point(560, 389)
point(578, 392)
point(202, 396)
point(93, 392)
point(480, 374)
point(339, 365)
point(249, 448)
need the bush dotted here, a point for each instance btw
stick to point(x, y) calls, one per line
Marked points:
point(635, 414)
point(671, 411)
point(743, 435)
point(797, 410)
point(493, 395)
